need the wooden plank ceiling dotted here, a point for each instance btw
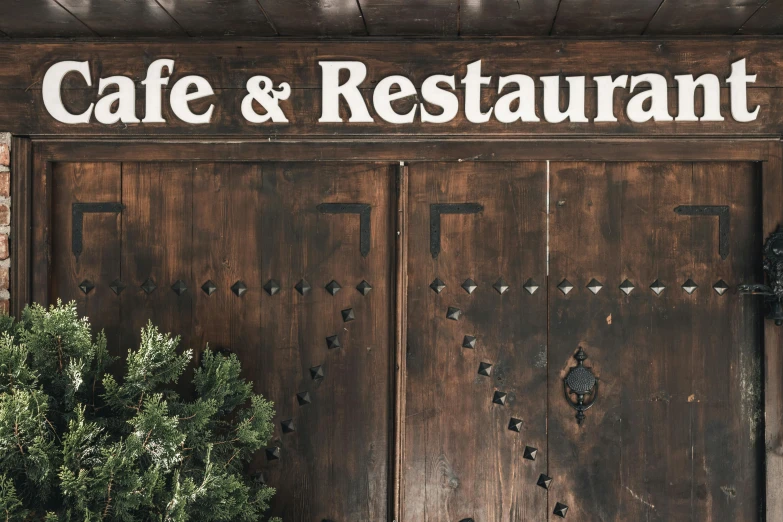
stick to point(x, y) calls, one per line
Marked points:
point(425, 18)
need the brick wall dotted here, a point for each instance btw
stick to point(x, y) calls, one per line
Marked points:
point(5, 220)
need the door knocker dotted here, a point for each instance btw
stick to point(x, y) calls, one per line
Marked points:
point(773, 269)
point(580, 382)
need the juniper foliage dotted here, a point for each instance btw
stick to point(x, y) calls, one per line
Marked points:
point(78, 444)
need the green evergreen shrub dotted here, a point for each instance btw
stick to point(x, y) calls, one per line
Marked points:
point(76, 444)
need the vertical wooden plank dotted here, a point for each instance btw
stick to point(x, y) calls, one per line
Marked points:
point(98, 264)
point(40, 246)
point(461, 459)
point(21, 223)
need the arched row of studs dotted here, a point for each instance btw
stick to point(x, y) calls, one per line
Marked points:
point(239, 288)
point(565, 286)
point(485, 369)
point(316, 372)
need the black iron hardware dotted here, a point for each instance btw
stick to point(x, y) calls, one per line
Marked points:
point(469, 341)
point(724, 222)
point(363, 210)
point(77, 222)
point(436, 209)
point(580, 382)
point(773, 270)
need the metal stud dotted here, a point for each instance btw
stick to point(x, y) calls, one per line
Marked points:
point(179, 287)
point(689, 286)
point(657, 287)
point(333, 341)
point(333, 287)
point(86, 286)
point(348, 315)
point(531, 286)
point(469, 342)
point(209, 287)
point(501, 286)
point(485, 369)
point(453, 313)
point(239, 288)
point(364, 287)
point(272, 453)
point(469, 285)
point(595, 286)
point(530, 453)
point(560, 510)
point(303, 398)
point(720, 287)
point(437, 285)
point(303, 287)
point(544, 481)
point(117, 286)
point(272, 287)
point(515, 424)
point(627, 287)
point(148, 286)
point(499, 398)
point(288, 426)
point(565, 286)
point(317, 372)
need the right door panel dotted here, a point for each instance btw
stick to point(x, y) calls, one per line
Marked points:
point(676, 429)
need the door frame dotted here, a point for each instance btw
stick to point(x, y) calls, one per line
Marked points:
point(31, 172)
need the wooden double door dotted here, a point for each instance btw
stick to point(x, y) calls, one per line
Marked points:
point(416, 326)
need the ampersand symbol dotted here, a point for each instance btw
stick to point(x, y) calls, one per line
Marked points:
point(262, 90)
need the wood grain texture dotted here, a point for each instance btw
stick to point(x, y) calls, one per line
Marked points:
point(460, 459)
point(219, 17)
point(694, 17)
point(501, 17)
point(403, 18)
point(675, 433)
point(125, 18)
point(315, 17)
point(21, 230)
point(603, 17)
point(40, 18)
point(767, 20)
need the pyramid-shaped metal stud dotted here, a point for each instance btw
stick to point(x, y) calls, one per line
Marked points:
point(287, 426)
point(515, 425)
point(657, 287)
point(86, 286)
point(239, 288)
point(499, 398)
point(272, 287)
point(364, 287)
point(303, 398)
point(317, 372)
point(148, 286)
point(500, 286)
point(531, 286)
point(530, 453)
point(469, 285)
point(689, 286)
point(544, 481)
point(179, 287)
point(561, 510)
point(303, 287)
point(485, 369)
point(333, 342)
point(117, 286)
point(333, 287)
point(595, 286)
point(720, 287)
point(272, 453)
point(259, 478)
point(626, 287)
point(453, 313)
point(437, 285)
point(348, 315)
point(565, 286)
point(209, 287)
point(469, 342)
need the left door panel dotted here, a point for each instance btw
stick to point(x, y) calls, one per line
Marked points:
point(270, 238)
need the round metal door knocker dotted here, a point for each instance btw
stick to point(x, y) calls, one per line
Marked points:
point(580, 386)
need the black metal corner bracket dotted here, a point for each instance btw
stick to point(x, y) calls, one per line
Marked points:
point(436, 209)
point(363, 210)
point(77, 222)
point(773, 270)
point(581, 383)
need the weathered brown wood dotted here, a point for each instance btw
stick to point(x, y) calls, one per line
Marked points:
point(219, 17)
point(702, 17)
point(461, 459)
point(132, 18)
point(40, 18)
point(314, 17)
point(403, 18)
point(21, 224)
point(500, 17)
point(675, 432)
point(603, 17)
point(768, 19)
